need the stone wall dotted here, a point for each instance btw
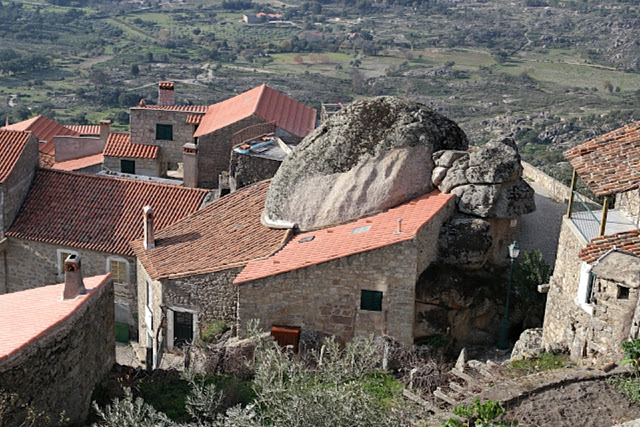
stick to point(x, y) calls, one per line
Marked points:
point(245, 170)
point(149, 308)
point(325, 298)
point(58, 372)
point(566, 323)
point(629, 204)
point(16, 186)
point(74, 147)
point(557, 191)
point(32, 264)
point(143, 130)
point(214, 152)
point(147, 167)
point(212, 296)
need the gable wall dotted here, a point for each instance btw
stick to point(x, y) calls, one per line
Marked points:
point(143, 130)
point(18, 182)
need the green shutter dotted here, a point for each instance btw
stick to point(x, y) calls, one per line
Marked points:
point(371, 300)
point(164, 132)
point(128, 166)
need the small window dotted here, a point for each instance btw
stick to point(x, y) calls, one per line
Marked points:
point(590, 283)
point(183, 328)
point(623, 292)
point(371, 300)
point(63, 254)
point(164, 132)
point(119, 270)
point(128, 166)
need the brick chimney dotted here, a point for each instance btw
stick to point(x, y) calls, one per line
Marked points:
point(166, 94)
point(73, 284)
point(105, 128)
point(147, 218)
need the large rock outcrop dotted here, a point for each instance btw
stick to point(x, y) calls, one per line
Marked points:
point(488, 180)
point(371, 156)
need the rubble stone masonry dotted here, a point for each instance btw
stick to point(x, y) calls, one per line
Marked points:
point(17, 184)
point(147, 167)
point(58, 372)
point(566, 323)
point(143, 130)
point(629, 204)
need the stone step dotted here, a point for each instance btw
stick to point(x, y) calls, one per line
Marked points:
point(442, 396)
point(420, 401)
point(468, 378)
point(458, 388)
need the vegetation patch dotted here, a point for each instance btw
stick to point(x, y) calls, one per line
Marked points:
point(544, 362)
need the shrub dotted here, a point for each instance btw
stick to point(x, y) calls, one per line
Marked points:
point(544, 362)
point(213, 331)
point(479, 414)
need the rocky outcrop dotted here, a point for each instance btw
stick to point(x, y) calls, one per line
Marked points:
point(373, 155)
point(488, 180)
point(465, 240)
point(529, 345)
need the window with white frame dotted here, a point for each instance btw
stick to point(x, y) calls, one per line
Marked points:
point(585, 288)
point(119, 269)
point(62, 255)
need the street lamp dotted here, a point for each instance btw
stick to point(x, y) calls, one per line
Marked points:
point(514, 251)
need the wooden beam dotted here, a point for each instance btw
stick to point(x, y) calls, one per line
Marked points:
point(605, 211)
point(574, 177)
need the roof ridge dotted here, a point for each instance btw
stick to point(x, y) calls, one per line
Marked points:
point(118, 178)
point(263, 88)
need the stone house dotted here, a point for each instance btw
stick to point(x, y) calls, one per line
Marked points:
point(94, 217)
point(590, 306)
point(120, 155)
point(349, 280)
point(54, 351)
point(185, 272)
point(68, 148)
point(166, 125)
point(292, 120)
point(18, 162)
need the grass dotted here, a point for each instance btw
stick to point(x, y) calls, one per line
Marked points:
point(628, 387)
point(544, 362)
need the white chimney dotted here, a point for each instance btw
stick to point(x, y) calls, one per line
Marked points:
point(149, 239)
point(105, 127)
point(166, 94)
point(73, 284)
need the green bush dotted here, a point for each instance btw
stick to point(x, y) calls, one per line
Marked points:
point(479, 414)
point(213, 331)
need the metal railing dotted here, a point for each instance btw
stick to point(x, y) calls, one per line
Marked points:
point(583, 217)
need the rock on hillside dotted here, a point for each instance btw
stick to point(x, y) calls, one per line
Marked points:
point(371, 156)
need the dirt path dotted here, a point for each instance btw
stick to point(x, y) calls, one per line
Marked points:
point(92, 61)
point(586, 403)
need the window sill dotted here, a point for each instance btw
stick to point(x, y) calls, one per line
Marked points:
point(588, 308)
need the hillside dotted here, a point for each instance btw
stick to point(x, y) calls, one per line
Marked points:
point(549, 73)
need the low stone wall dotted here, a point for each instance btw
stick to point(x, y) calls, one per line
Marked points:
point(146, 167)
point(58, 372)
point(246, 169)
point(74, 147)
point(629, 204)
point(557, 191)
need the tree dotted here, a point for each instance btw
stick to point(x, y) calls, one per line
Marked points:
point(135, 70)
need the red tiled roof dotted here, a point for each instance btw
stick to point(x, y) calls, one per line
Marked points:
point(225, 234)
point(609, 164)
point(184, 108)
point(166, 85)
point(195, 118)
point(85, 129)
point(12, 145)
point(79, 163)
point(96, 212)
point(27, 316)
point(44, 129)
point(119, 145)
point(264, 102)
point(355, 237)
point(628, 241)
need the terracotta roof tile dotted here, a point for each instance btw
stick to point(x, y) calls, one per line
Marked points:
point(12, 145)
point(79, 163)
point(119, 145)
point(183, 108)
point(96, 212)
point(264, 102)
point(195, 118)
point(363, 235)
point(225, 234)
point(44, 129)
point(609, 164)
point(30, 314)
point(85, 129)
point(628, 241)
